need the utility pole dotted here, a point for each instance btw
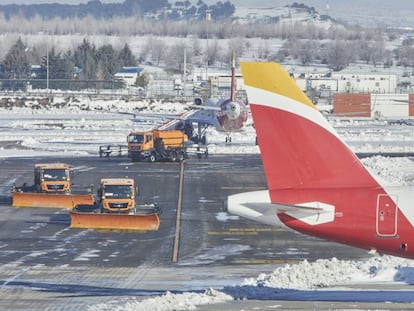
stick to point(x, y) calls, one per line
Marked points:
point(47, 66)
point(208, 18)
point(185, 69)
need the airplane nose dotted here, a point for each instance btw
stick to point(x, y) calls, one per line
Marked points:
point(233, 110)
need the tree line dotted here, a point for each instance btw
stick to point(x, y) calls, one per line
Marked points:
point(307, 43)
point(86, 62)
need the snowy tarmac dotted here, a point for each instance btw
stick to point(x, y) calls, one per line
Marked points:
point(47, 266)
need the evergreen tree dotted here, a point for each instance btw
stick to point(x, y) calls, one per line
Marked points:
point(126, 58)
point(108, 64)
point(16, 64)
point(59, 67)
point(85, 57)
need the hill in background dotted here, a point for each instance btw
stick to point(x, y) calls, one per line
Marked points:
point(384, 13)
point(160, 9)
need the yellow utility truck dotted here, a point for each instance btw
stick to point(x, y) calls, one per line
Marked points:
point(52, 178)
point(52, 188)
point(117, 195)
point(116, 209)
point(157, 145)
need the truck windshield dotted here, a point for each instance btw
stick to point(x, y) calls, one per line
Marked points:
point(118, 191)
point(54, 174)
point(138, 139)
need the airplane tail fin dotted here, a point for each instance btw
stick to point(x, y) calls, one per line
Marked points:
point(233, 77)
point(299, 148)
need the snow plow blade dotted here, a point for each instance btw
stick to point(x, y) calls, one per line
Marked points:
point(48, 200)
point(137, 222)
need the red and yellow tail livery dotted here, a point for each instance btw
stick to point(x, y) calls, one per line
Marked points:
point(316, 184)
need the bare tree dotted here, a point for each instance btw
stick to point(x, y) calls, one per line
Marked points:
point(364, 50)
point(212, 52)
point(174, 59)
point(157, 49)
point(338, 54)
point(378, 52)
point(196, 46)
point(263, 51)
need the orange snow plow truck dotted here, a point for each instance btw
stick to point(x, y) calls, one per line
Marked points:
point(157, 145)
point(52, 188)
point(116, 209)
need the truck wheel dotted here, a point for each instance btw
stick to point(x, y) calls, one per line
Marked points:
point(181, 157)
point(173, 156)
point(152, 158)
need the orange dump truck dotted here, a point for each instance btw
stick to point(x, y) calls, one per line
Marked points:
point(157, 145)
point(116, 209)
point(52, 188)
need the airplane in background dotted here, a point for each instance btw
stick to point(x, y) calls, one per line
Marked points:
point(226, 115)
point(316, 184)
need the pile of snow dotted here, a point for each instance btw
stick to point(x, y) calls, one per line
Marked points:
point(318, 276)
point(169, 301)
point(397, 171)
point(325, 273)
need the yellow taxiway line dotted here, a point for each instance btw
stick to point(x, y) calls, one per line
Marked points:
point(178, 219)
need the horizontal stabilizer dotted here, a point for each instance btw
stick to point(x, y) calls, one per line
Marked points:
point(256, 206)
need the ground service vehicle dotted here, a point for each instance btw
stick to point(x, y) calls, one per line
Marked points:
point(52, 178)
point(52, 188)
point(157, 145)
point(115, 208)
point(117, 195)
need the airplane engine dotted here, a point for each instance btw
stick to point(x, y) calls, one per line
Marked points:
point(232, 115)
point(198, 101)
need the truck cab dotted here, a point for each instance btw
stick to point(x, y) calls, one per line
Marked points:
point(140, 142)
point(52, 178)
point(117, 195)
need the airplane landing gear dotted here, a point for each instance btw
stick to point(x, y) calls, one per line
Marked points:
point(228, 138)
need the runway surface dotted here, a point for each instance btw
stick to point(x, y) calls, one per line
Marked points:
point(45, 265)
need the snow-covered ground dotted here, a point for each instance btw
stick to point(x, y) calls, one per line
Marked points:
point(317, 281)
point(81, 127)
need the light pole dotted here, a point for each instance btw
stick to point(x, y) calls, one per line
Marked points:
point(184, 80)
point(47, 66)
point(208, 18)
